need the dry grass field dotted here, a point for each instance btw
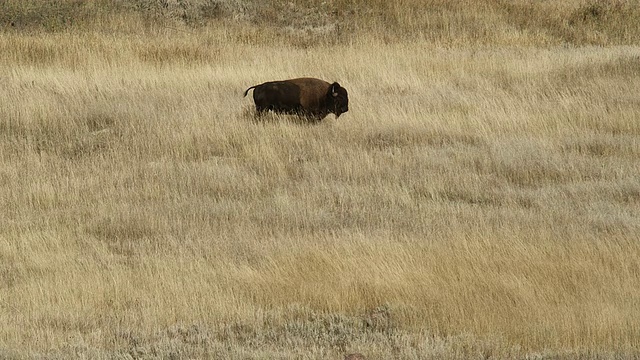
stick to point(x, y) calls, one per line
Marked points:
point(481, 198)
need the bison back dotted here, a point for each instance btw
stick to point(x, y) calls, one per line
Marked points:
point(278, 96)
point(312, 92)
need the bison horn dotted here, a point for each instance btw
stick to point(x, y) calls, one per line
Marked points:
point(334, 89)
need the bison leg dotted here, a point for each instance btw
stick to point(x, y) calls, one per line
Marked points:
point(313, 117)
point(260, 110)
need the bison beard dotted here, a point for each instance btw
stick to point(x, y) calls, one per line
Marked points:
point(310, 98)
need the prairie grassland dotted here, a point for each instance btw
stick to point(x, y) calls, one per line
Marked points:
point(478, 201)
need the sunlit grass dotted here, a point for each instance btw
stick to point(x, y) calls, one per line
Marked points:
point(479, 199)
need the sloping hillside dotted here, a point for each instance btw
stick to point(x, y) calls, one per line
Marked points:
point(307, 22)
point(480, 199)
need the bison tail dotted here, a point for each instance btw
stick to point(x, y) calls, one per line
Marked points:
point(247, 91)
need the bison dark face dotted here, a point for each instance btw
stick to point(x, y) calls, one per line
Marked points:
point(312, 99)
point(338, 99)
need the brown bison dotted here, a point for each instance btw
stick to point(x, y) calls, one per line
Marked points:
point(311, 98)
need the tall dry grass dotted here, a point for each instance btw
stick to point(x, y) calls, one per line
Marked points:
point(480, 199)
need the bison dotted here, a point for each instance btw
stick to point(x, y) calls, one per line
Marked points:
point(310, 98)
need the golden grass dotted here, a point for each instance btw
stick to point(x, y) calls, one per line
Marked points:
point(478, 200)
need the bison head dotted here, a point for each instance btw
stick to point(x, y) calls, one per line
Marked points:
point(337, 99)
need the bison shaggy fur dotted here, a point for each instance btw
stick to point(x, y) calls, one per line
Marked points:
point(310, 98)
